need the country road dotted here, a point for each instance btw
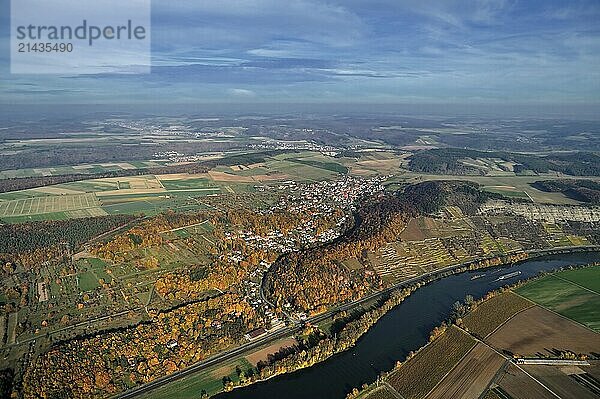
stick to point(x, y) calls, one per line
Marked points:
point(284, 332)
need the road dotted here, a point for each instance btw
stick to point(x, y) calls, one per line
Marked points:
point(284, 332)
point(79, 324)
point(297, 326)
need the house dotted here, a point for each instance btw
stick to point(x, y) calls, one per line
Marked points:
point(259, 332)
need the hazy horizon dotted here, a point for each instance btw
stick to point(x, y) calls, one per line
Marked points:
point(529, 111)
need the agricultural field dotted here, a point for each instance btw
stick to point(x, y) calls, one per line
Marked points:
point(490, 394)
point(474, 360)
point(24, 194)
point(372, 163)
point(79, 205)
point(565, 382)
point(422, 228)
point(299, 166)
point(153, 194)
point(419, 252)
point(525, 382)
point(508, 191)
point(432, 243)
point(130, 195)
point(490, 166)
point(150, 194)
point(489, 315)
point(419, 375)
point(77, 169)
point(588, 277)
point(538, 331)
point(187, 183)
point(471, 376)
point(514, 383)
point(401, 260)
point(568, 294)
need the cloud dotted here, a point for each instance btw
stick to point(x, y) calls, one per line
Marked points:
point(334, 50)
point(241, 93)
point(210, 24)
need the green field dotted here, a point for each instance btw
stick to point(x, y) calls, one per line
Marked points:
point(95, 262)
point(91, 186)
point(77, 169)
point(571, 294)
point(301, 172)
point(507, 193)
point(188, 184)
point(588, 277)
point(15, 195)
point(35, 218)
point(331, 166)
point(50, 204)
point(87, 281)
point(190, 387)
point(92, 270)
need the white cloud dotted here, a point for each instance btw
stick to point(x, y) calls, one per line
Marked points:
point(241, 93)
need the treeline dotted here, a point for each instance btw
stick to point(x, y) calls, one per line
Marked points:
point(448, 161)
point(429, 197)
point(24, 183)
point(49, 156)
point(6, 382)
point(15, 238)
point(579, 190)
point(30, 244)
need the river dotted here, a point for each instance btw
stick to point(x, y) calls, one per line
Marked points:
point(401, 330)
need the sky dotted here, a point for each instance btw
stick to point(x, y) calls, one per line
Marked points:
point(344, 51)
